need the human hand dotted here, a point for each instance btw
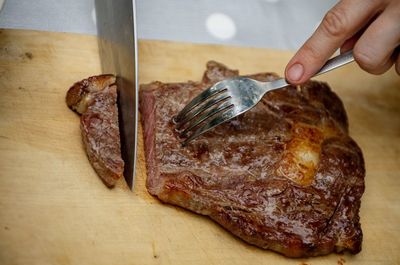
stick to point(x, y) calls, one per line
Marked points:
point(370, 27)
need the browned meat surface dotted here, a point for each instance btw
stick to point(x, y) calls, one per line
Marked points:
point(284, 176)
point(95, 99)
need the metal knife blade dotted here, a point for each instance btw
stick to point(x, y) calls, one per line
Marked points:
point(116, 30)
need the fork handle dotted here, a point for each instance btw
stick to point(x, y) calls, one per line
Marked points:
point(331, 64)
point(336, 62)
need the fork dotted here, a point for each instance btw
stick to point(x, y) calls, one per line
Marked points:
point(231, 97)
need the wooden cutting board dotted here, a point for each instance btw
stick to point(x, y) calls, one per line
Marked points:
point(55, 210)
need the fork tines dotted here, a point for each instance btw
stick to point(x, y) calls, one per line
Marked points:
point(204, 112)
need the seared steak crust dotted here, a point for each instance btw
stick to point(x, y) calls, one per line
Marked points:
point(284, 176)
point(95, 99)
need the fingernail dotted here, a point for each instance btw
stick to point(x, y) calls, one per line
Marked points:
point(295, 72)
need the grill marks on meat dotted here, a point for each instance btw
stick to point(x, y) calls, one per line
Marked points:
point(95, 99)
point(283, 176)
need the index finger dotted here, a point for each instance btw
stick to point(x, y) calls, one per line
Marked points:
point(339, 24)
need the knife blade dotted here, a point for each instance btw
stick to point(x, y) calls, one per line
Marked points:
point(116, 30)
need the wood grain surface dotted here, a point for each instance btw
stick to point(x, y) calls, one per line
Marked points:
point(55, 210)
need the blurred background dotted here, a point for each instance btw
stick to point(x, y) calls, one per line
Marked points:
point(280, 24)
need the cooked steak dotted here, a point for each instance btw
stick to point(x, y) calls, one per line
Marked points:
point(284, 176)
point(95, 99)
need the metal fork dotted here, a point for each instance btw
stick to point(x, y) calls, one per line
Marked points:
point(231, 97)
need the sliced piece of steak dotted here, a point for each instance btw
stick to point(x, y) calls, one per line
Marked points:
point(95, 99)
point(284, 176)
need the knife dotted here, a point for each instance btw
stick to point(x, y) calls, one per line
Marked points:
point(116, 31)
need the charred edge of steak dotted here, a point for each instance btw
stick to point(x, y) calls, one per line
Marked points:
point(95, 99)
point(216, 72)
point(78, 96)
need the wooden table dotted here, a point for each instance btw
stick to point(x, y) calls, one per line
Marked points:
point(55, 210)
